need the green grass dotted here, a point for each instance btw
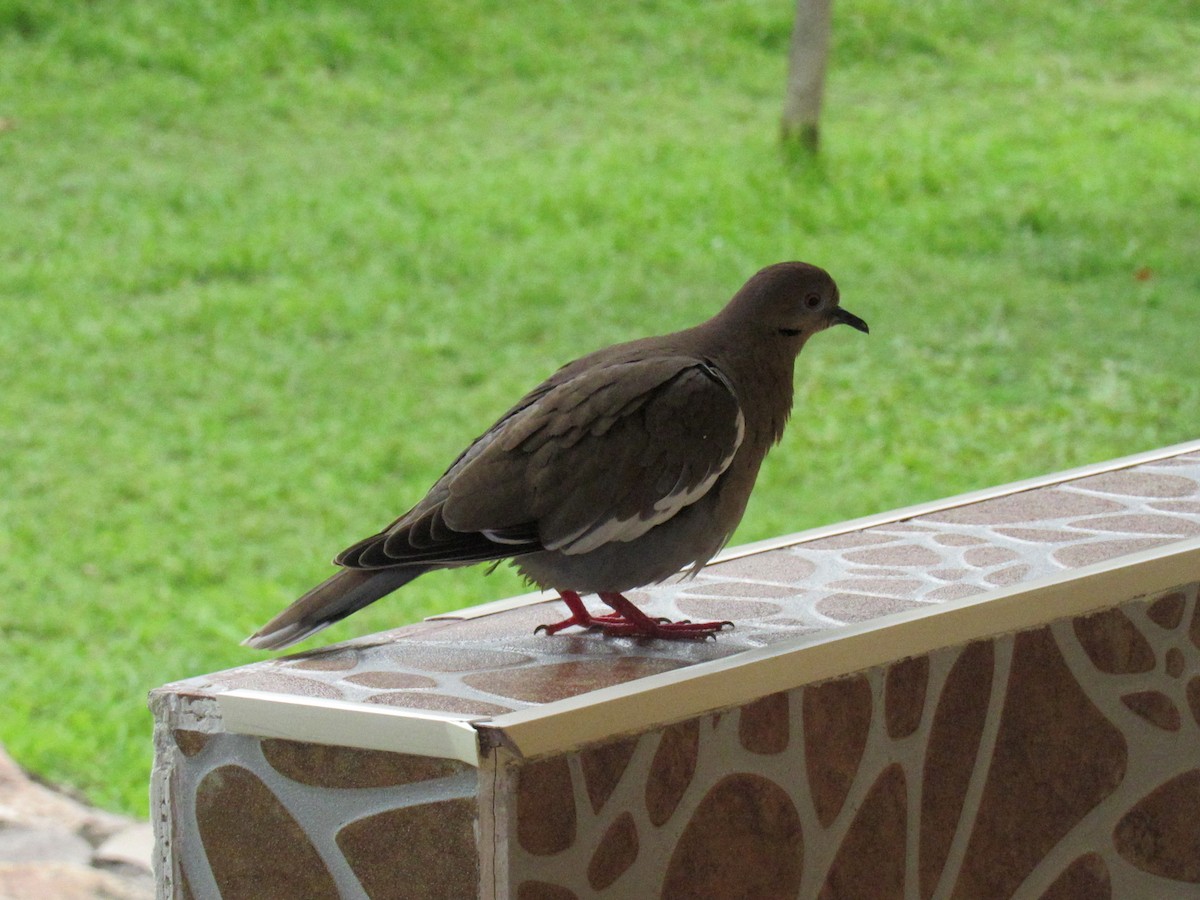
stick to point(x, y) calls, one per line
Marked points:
point(266, 267)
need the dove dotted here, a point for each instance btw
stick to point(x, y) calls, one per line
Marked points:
point(622, 469)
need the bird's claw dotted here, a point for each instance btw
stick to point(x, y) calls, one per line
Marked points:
point(626, 620)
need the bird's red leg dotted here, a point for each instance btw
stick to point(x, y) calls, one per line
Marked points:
point(627, 620)
point(579, 615)
point(632, 622)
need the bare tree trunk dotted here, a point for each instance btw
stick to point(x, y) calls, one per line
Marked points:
point(807, 59)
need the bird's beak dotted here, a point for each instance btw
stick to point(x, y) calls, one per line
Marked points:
point(844, 317)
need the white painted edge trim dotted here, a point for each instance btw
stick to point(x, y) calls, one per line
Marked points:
point(871, 521)
point(365, 726)
point(658, 700)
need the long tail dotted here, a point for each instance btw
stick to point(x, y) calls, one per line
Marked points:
point(346, 592)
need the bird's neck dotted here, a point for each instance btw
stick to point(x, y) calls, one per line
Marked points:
point(764, 380)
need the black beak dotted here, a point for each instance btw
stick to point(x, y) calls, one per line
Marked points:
point(843, 317)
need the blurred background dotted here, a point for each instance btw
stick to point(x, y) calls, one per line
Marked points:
point(265, 268)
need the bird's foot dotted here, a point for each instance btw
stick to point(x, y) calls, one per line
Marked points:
point(629, 621)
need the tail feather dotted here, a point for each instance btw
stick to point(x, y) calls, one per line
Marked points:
point(346, 592)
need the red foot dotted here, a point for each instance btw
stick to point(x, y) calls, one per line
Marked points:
point(629, 621)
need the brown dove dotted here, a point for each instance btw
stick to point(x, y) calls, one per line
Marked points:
point(618, 471)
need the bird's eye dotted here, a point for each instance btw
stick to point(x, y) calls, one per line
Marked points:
point(812, 301)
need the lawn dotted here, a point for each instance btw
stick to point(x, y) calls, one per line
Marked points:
point(266, 267)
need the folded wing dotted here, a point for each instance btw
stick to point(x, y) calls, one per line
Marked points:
point(601, 455)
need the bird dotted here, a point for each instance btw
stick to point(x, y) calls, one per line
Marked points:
point(624, 468)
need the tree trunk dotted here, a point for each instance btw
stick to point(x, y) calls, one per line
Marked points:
point(807, 59)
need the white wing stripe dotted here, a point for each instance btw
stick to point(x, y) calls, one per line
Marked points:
point(597, 534)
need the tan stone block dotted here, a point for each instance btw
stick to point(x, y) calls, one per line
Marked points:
point(672, 770)
point(545, 807)
point(744, 840)
point(837, 719)
point(256, 849)
point(424, 852)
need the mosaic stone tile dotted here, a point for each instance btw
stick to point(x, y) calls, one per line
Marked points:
point(744, 840)
point(392, 680)
point(1011, 575)
point(1176, 526)
point(440, 658)
point(1159, 834)
point(876, 834)
point(739, 589)
point(1101, 551)
point(545, 807)
point(850, 540)
point(885, 586)
point(953, 592)
point(618, 851)
point(1040, 535)
point(959, 540)
point(1174, 662)
point(672, 770)
point(722, 610)
point(782, 567)
point(1155, 707)
point(948, 574)
point(339, 661)
point(1114, 643)
point(1086, 878)
point(1056, 757)
point(958, 720)
point(320, 765)
point(602, 766)
point(439, 702)
point(1010, 769)
point(257, 850)
point(847, 607)
point(763, 726)
point(435, 840)
point(1132, 483)
point(904, 700)
point(540, 890)
point(1187, 507)
point(1168, 611)
point(901, 555)
point(1028, 506)
point(189, 742)
point(837, 718)
point(981, 557)
point(547, 683)
point(278, 683)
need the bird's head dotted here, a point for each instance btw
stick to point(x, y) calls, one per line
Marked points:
point(785, 304)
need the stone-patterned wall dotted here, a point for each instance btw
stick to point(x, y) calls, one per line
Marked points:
point(264, 819)
point(1061, 762)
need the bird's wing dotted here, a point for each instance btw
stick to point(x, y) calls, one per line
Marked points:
point(604, 455)
point(596, 454)
point(422, 537)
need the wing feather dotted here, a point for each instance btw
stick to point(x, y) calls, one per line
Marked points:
point(607, 456)
point(598, 453)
